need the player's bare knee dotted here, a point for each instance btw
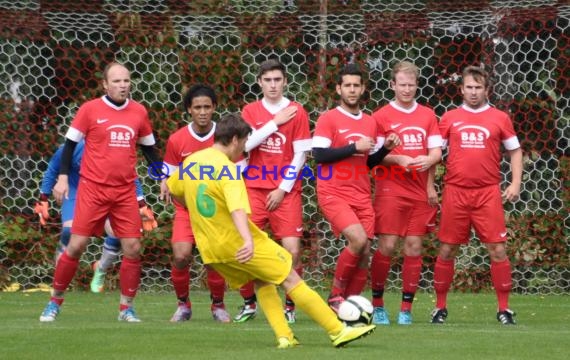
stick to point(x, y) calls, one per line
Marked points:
point(413, 246)
point(291, 281)
point(180, 261)
point(497, 252)
point(77, 246)
point(357, 246)
point(386, 245)
point(74, 252)
point(131, 247)
point(259, 284)
point(447, 251)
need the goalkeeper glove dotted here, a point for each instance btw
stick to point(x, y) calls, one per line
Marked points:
point(42, 209)
point(148, 221)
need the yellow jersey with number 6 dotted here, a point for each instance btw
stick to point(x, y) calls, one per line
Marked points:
point(213, 188)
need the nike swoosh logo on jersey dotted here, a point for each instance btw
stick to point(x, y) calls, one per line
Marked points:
point(102, 121)
point(299, 229)
point(395, 126)
point(342, 131)
point(503, 234)
point(186, 154)
point(259, 123)
point(457, 123)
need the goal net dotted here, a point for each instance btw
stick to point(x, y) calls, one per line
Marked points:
point(52, 54)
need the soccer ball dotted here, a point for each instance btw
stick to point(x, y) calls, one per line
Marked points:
point(356, 310)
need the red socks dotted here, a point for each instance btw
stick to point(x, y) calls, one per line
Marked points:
point(411, 272)
point(502, 282)
point(357, 283)
point(345, 268)
point(379, 269)
point(130, 276)
point(247, 291)
point(217, 286)
point(181, 281)
point(65, 270)
point(442, 278)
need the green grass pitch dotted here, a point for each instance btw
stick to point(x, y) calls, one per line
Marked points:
point(87, 328)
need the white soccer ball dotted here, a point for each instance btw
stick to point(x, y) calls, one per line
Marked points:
point(356, 310)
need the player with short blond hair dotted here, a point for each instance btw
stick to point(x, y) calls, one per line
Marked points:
point(405, 206)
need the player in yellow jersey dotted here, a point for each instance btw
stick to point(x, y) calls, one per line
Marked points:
point(210, 184)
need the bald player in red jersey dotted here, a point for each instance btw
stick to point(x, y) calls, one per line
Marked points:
point(405, 200)
point(277, 152)
point(472, 195)
point(112, 126)
point(200, 103)
point(343, 140)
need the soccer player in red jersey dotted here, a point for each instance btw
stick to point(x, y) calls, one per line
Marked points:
point(472, 195)
point(231, 243)
point(277, 151)
point(112, 126)
point(200, 103)
point(343, 140)
point(405, 198)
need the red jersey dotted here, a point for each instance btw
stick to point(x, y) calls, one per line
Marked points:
point(418, 130)
point(180, 145)
point(474, 138)
point(184, 142)
point(348, 178)
point(111, 134)
point(268, 163)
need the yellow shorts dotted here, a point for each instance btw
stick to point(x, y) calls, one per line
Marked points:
point(271, 263)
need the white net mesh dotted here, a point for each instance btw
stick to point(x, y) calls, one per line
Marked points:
point(52, 54)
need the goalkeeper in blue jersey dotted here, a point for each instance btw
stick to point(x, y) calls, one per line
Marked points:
point(111, 245)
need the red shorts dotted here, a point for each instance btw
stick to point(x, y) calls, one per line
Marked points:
point(341, 214)
point(285, 221)
point(396, 215)
point(480, 207)
point(181, 226)
point(96, 202)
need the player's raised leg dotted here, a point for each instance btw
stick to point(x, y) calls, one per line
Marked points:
point(313, 305)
